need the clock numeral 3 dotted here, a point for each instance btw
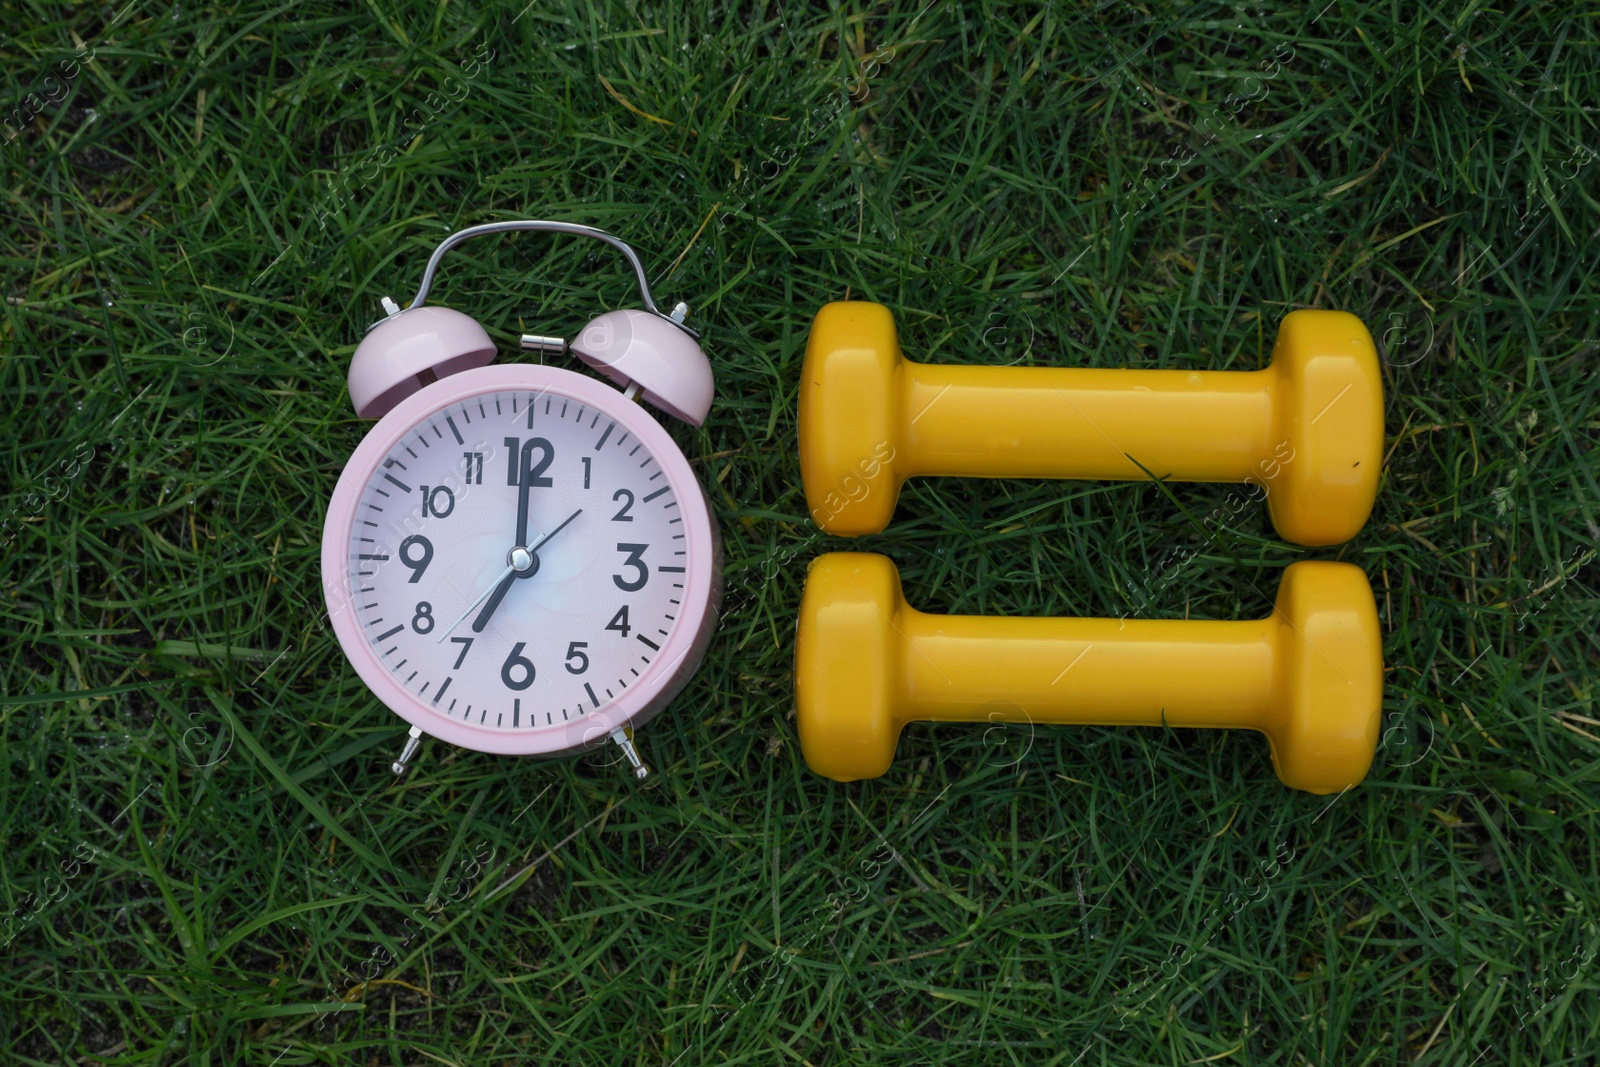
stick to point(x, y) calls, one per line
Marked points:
point(634, 560)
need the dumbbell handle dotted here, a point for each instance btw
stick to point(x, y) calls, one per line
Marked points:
point(1101, 672)
point(1086, 423)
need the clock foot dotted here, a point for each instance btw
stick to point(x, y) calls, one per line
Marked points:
point(624, 739)
point(413, 742)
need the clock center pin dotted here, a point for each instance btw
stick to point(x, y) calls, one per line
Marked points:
point(524, 563)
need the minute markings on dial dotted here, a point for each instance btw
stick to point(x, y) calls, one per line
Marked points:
point(577, 416)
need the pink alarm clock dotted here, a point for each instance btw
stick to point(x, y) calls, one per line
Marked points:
point(518, 559)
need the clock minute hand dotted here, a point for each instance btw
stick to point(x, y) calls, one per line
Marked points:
point(524, 483)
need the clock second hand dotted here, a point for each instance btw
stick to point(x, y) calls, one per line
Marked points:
point(535, 549)
point(501, 583)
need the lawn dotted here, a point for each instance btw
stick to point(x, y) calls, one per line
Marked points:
point(206, 859)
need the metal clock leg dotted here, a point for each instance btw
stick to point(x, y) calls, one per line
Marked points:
point(413, 742)
point(624, 739)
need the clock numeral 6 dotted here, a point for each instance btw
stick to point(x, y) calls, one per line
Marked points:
point(424, 557)
point(634, 560)
point(575, 652)
point(430, 501)
point(517, 661)
point(424, 615)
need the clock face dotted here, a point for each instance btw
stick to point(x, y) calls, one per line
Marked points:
point(519, 562)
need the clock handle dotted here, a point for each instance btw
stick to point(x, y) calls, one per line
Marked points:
point(543, 226)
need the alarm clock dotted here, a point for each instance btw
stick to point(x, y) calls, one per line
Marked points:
point(518, 559)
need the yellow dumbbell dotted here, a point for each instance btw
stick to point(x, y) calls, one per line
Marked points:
point(1309, 675)
point(1308, 429)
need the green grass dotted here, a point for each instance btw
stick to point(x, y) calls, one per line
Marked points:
point(205, 859)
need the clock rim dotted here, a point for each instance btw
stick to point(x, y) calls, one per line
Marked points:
point(680, 654)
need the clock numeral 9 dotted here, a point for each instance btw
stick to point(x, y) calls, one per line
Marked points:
point(425, 556)
point(424, 615)
point(517, 661)
point(430, 502)
point(634, 560)
point(575, 652)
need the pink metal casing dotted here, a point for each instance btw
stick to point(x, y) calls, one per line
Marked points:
point(684, 647)
point(636, 346)
point(387, 364)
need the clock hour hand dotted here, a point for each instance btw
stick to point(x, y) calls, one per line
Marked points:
point(498, 588)
point(524, 565)
point(494, 601)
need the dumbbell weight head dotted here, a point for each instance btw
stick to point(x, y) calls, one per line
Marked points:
point(850, 418)
point(1328, 683)
point(849, 688)
point(1309, 676)
point(1328, 410)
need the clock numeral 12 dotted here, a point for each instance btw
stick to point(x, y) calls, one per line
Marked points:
point(527, 468)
